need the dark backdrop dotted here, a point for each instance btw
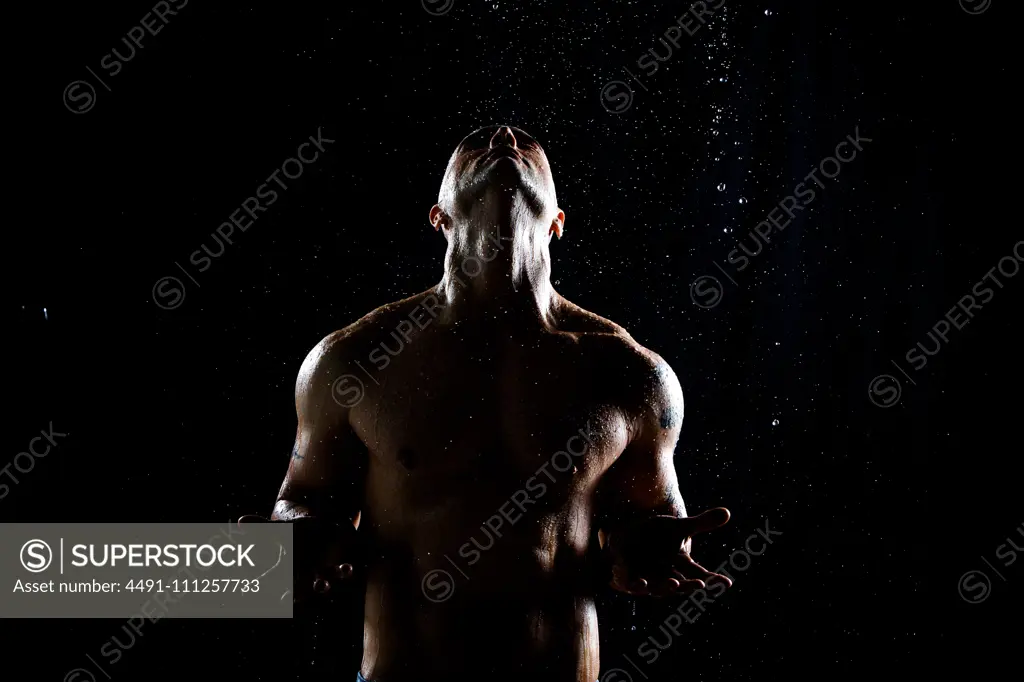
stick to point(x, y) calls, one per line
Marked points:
point(186, 414)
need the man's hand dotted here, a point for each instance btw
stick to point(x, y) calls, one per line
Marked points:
point(326, 556)
point(652, 556)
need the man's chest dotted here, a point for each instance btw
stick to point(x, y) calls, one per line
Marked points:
point(447, 416)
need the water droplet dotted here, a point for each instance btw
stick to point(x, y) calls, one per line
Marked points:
point(775, 422)
point(767, 12)
point(742, 200)
point(721, 186)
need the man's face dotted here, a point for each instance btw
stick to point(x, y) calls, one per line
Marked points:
point(499, 158)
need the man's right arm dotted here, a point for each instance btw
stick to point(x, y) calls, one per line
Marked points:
point(326, 473)
point(323, 491)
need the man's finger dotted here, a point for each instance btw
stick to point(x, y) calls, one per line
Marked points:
point(659, 587)
point(691, 569)
point(687, 585)
point(637, 587)
point(690, 586)
point(702, 523)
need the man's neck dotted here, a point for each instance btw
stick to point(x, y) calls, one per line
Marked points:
point(498, 267)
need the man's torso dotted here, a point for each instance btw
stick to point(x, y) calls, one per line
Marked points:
point(484, 453)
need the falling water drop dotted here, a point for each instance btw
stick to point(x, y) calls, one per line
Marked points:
point(721, 186)
point(742, 200)
point(775, 422)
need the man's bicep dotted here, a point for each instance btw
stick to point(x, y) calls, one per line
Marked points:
point(325, 473)
point(642, 481)
point(327, 462)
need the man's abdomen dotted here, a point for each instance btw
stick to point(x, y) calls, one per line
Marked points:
point(480, 634)
point(450, 588)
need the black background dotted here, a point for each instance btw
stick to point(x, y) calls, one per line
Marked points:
point(188, 415)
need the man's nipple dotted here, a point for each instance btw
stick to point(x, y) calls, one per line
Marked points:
point(407, 458)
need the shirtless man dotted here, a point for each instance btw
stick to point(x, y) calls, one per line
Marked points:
point(501, 452)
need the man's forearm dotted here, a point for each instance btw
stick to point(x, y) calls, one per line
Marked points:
point(289, 510)
point(286, 510)
point(619, 517)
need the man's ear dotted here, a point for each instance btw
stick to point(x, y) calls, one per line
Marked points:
point(437, 217)
point(557, 225)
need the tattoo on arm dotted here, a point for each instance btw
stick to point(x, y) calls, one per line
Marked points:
point(669, 417)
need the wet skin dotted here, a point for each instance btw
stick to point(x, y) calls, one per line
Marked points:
point(490, 429)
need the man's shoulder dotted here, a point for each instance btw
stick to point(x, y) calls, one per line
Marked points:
point(643, 384)
point(336, 348)
point(573, 319)
point(610, 344)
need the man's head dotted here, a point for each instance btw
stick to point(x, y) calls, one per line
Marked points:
point(498, 169)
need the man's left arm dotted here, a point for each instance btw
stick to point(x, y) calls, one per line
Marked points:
point(645, 533)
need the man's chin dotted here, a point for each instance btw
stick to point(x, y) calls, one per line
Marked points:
point(499, 182)
point(506, 171)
